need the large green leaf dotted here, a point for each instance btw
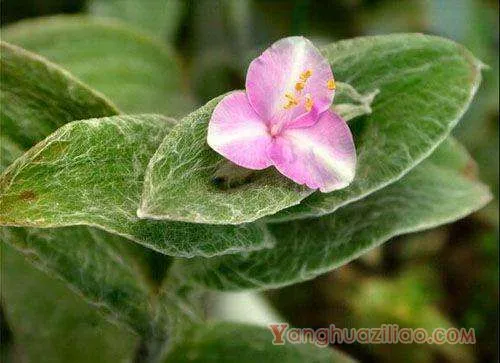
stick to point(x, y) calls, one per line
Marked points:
point(90, 172)
point(181, 182)
point(37, 97)
point(438, 191)
point(49, 323)
point(425, 84)
point(129, 284)
point(182, 177)
point(159, 17)
point(100, 266)
point(139, 74)
point(232, 342)
point(124, 280)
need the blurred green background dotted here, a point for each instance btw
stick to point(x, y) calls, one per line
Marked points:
point(440, 278)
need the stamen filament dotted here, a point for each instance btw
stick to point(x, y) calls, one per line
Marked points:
point(305, 75)
point(292, 101)
point(308, 104)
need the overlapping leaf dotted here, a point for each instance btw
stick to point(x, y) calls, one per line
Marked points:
point(90, 172)
point(38, 97)
point(137, 73)
point(159, 17)
point(100, 266)
point(129, 284)
point(181, 184)
point(231, 342)
point(441, 190)
point(425, 84)
point(124, 280)
point(51, 324)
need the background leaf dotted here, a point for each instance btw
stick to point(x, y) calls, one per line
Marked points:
point(129, 284)
point(50, 323)
point(37, 97)
point(230, 342)
point(436, 192)
point(159, 17)
point(138, 73)
point(426, 83)
point(98, 265)
point(90, 172)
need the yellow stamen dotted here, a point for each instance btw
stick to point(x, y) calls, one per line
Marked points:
point(299, 86)
point(292, 101)
point(330, 84)
point(305, 75)
point(308, 103)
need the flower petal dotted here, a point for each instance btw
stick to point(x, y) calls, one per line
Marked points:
point(277, 72)
point(236, 132)
point(321, 156)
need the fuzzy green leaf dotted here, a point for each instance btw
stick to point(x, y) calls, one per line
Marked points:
point(439, 191)
point(49, 323)
point(90, 172)
point(190, 192)
point(139, 74)
point(181, 181)
point(124, 280)
point(100, 266)
point(37, 97)
point(159, 17)
point(129, 284)
point(232, 342)
point(424, 85)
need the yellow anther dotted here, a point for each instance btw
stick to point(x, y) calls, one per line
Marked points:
point(292, 101)
point(308, 103)
point(299, 86)
point(331, 84)
point(304, 76)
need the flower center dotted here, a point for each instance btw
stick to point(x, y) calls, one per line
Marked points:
point(275, 129)
point(293, 99)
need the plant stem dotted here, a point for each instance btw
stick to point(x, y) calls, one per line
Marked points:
point(150, 350)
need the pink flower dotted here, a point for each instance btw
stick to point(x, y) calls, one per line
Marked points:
point(284, 119)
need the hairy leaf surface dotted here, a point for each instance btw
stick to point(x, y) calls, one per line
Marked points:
point(436, 192)
point(424, 85)
point(37, 97)
point(90, 172)
point(49, 323)
point(159, 17)
point(232, 342)
point(136, 72)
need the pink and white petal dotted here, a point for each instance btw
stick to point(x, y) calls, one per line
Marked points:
point(305, 120)
point(236, 132)
point(321, 156)
point(276, 73)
